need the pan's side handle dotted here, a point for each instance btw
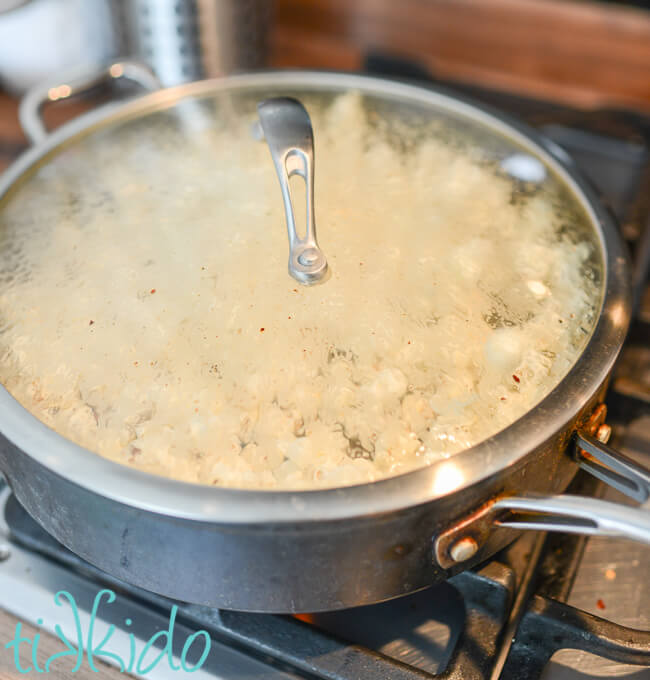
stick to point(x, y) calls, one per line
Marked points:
point(573, 515)
point(75, 83)
point(612, 467)
point(570, 514)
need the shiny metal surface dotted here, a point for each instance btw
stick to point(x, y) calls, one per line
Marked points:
point(75, 83)
point(195, 39)
point(289, 135)
point(614, 468)
point(575, 515)
point(589, 516)
point(568, 514)
point(274, 551)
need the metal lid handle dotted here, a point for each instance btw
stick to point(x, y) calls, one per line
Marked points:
point(289, 135)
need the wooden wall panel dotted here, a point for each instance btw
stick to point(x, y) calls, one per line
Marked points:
point(587, 53)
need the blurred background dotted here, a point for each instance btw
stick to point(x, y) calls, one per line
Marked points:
point(583, 53)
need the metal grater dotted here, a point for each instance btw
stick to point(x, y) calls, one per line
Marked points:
point(184, 40)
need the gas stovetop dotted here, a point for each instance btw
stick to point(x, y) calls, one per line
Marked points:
point(550, 606)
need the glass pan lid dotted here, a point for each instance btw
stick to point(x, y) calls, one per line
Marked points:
point(147, 313)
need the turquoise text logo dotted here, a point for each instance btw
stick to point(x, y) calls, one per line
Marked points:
point(84, 646)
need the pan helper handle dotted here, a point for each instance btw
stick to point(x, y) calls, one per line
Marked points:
point(289, 135)
point(75, 82)
point(569, 514)
point(612, 467)
point(575, 515)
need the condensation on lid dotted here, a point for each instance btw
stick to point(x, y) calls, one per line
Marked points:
point(146, 311)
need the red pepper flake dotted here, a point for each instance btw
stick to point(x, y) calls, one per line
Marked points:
point(91, 322)
point(600, 604)
point(295, 290)
point(135, 363)
point(409, 342)
point(503, 398)
point(262, 329)
point(516, 378)
point(288, 317)
point(152, 291)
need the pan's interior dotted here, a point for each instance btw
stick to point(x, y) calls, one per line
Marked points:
point(146, 312)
